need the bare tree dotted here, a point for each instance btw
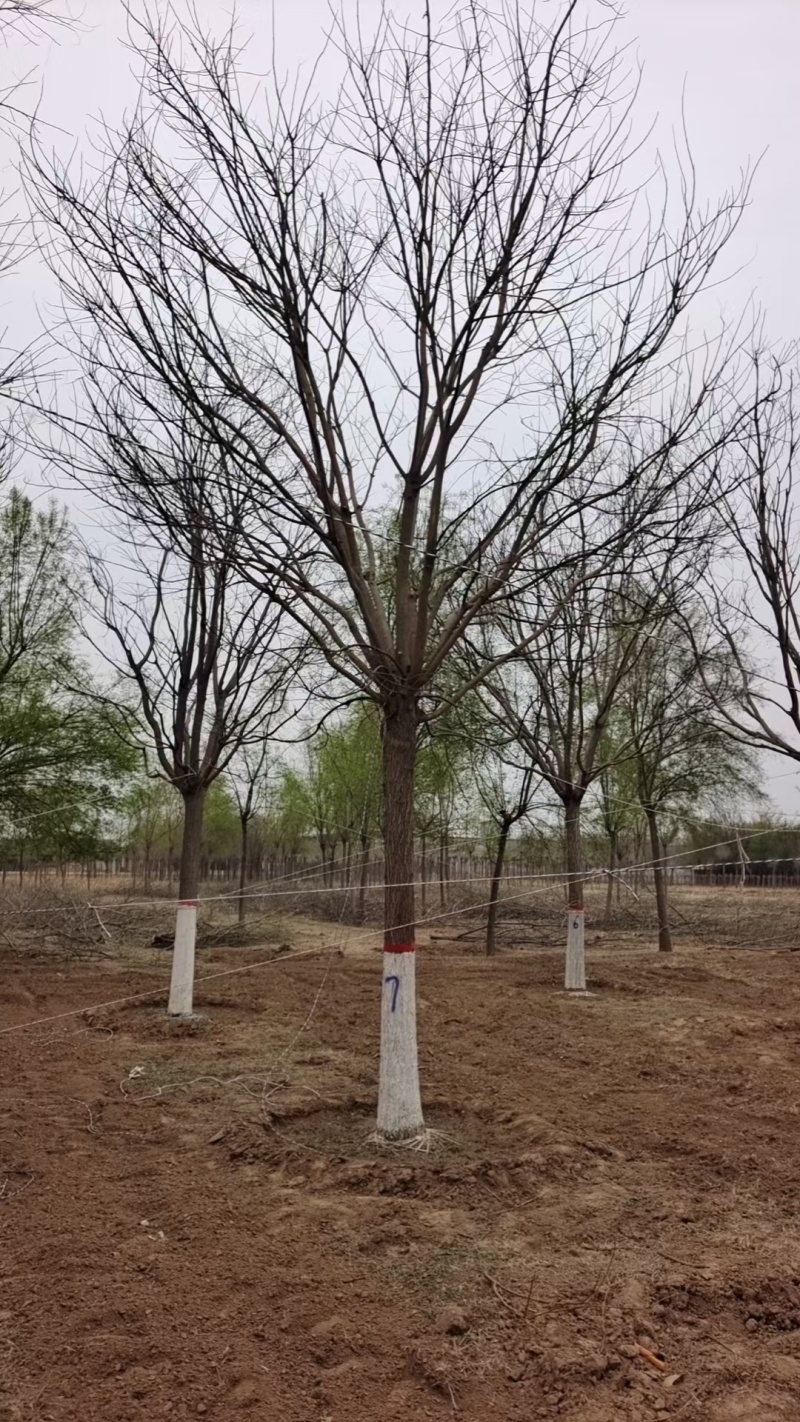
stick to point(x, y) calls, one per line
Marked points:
point(557, 697)
point(28, 20)
point(506, 790)
point(754, 679)
point(38, 585)
point(675, 744)
point(247, 773)
point(430, 307)
point(618, 808)
point(202, 652)
point(28, 16)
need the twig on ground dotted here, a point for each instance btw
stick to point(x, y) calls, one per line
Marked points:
point(103, 928)
point(528, 1299)
point(726, 1346)
point(456, 937)
point(499, 1292)
point(651, 1358)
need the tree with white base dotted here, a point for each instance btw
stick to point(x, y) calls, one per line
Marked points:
point(557, 697)
point(382, 293)
point(575, 963)
point(399, 1100)
point(203, 657)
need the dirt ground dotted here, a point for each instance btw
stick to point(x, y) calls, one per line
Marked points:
point(194, 1222)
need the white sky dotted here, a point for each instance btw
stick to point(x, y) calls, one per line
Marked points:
point(736, 61)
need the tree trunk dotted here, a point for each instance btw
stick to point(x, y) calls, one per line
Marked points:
point(442, 885)
point(182, 984)
point(424, 876)
point(399, 1102)
point(660, 877)
point(494, 894)
point(244, 826)
point(362, 887)
point(446, 865)
point(575, 968)
point(612, 864)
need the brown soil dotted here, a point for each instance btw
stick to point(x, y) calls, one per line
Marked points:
point(214, 1235)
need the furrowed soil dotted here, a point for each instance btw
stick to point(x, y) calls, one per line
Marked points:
point(194, 1221)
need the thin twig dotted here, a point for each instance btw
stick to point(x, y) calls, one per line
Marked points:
point(528, 1299)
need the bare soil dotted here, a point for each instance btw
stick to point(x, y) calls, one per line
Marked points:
point(194, 1221)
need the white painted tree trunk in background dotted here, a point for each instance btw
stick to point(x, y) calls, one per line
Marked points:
point(575, 971)
point(181, 988)
point(399, 1101)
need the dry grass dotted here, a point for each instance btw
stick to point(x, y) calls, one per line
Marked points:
point(51, 922)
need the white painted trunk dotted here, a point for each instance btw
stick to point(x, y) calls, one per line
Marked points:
point(399, 1102)
point(181, 988)
point(575, 971)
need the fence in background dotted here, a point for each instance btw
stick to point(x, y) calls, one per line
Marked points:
point(436, 873)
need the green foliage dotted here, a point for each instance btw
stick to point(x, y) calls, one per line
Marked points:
point(153, 820)
point(346, 772)
point(153, 817)
point(290, 819)
point(337, 798)
point(444, 781)
point(221, 830)
point(616, 812)
point(681, 760)
point(72, 786)
point(63, 763)
point(37, 586)
point(64, 756)
point(439, 777)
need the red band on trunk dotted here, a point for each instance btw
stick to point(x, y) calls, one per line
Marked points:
point(399, 947)
point(576, 908)
point(187, 903)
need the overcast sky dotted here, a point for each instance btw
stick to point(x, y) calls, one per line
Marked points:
point(734, 63)
point(735, 60)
